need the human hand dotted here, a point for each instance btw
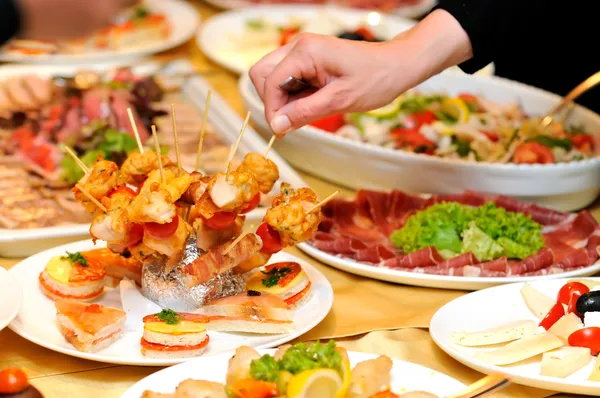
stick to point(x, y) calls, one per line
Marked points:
point(351, 76)
point(67, 19)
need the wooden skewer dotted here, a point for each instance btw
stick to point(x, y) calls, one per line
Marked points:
point(237, 143)
point(235, 242)
point(271, 142)
point(176, 137)
point(90, 197)
point(85, 169)
point(321, 203)
point(135, 130)
point(203, 130)
point(159, 157)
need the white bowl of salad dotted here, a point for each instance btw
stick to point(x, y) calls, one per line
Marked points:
point(452, 133)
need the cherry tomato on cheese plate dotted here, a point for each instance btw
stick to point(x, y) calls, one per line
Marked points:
point(552, 316)
point(565, 292)
point(586, 337)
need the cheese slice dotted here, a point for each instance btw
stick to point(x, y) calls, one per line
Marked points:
point(502, 334)
point(60, 269)
point(537, 303)
point(564, 361)
point(182, 327)
point(565, 326)
point(255, 283)
point(520, 350)
point(595, 375)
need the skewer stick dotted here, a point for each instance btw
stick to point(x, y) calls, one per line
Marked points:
point(271, 142)
point(237, 143)
point(203, 130)
point(85, 169)
point(321, 203)
point(235, 242)
point(90, 197)
point(159, 157)
point(135, 130)
point(176, 137)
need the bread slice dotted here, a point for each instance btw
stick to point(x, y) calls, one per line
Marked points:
point(56, 290)
point(161, 351)
point(89, 327)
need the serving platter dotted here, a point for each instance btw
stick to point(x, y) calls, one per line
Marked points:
point(498, 306)
point(563, 186)
point(23, 242)
point(12, 296)
point(36, 320)
point(406, 376)
point(412, 11)
point(181, 16)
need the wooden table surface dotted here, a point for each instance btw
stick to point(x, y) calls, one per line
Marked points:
point(58, 375)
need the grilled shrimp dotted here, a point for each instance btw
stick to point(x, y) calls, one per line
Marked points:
point(239, 364)
point(232, 192)
point(102, 179)
point(290, 215)
point(191, 388)
point(265, 171)
point(138, 165)
point(370, 377)
point(113, 226)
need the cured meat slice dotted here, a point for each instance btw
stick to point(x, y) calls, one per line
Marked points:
point(575, 259)
point(374, 254)
point(593, 246)
point(581, 228)
point(497, 265)
point(540, 214)
point(340, 246)
point(542, 259)
point(419, 259)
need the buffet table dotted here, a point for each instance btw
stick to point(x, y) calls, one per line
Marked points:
point(367, 315)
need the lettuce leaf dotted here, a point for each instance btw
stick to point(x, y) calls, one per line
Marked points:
point(481, 245)
point(513, 249)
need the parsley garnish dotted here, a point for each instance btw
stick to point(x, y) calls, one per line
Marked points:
point(274, 275)
point(77, 258)
point(169, 316)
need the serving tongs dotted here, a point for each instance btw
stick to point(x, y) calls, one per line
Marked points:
point(567, 101)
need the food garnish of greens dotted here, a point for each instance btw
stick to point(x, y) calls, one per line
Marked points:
point(274, 275)
point(296, 359)
point(488, 231)
point(169, 316)
point(77, 258)
point(255, 24)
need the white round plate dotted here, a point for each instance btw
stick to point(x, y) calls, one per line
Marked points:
point(563, 186)
point(428, 280)
point(182, 17)
point(406, 376)
point(218, 36)
point(36, 320)
point(12, 297)
point(498, 306)
point(414, 11)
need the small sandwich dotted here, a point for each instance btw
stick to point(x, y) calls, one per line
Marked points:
point(171, 334)
point(89, 327)
point(286, 280)
point(72, 277)
point(141, 28)
point(249, 312)
point(117, 266)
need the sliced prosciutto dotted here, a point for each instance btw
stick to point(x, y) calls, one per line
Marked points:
point(360, 230)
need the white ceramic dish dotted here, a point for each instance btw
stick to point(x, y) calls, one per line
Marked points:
point(406, 376)
point(218, 36)
point(36, 320)
point(24, 242)
point(12, 297)
point(496, 307)
point(415, 11)
point(565, 186)
point(428, 280)
point(183, 18)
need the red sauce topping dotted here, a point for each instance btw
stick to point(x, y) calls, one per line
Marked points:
point(294, 299)
point(294, 268)
point(93, 308)
point(173, 348)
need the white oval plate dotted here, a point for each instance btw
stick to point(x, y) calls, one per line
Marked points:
point(495, 307)
point(36, 320)
point(428, 280)
point(415, 11)
point(182, 17)
point(563, 186)
point(406, 376)
point(12, 297)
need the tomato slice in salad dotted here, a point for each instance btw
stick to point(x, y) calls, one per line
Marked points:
point(330, 123)
point(410, 138)
point(533, 153)
point(583, 142)
point(586, 337)
point(162, 231)
point(555, 313)
point(270, 238)
point(492, 135)
point(418, 119)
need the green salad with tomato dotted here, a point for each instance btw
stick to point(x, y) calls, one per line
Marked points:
point(466, 127)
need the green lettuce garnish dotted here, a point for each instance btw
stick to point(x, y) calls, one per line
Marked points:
point(460, 228)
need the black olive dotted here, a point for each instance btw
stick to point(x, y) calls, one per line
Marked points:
point(588, 302)
point(253, 293)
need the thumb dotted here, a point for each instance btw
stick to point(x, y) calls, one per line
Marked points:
point(330, 99)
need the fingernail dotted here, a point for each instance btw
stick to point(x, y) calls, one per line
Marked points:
point(281, 124)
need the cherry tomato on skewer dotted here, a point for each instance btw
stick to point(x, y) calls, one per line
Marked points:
point(220, 220)
point(122, 189)
point(253, 204)
point(136, 234)
point(270, 238)
point(162, 231)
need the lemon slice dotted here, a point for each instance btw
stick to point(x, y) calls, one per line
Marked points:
point(322, 383)
point(456, 108)
point(387, 111)
point(347, 375)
